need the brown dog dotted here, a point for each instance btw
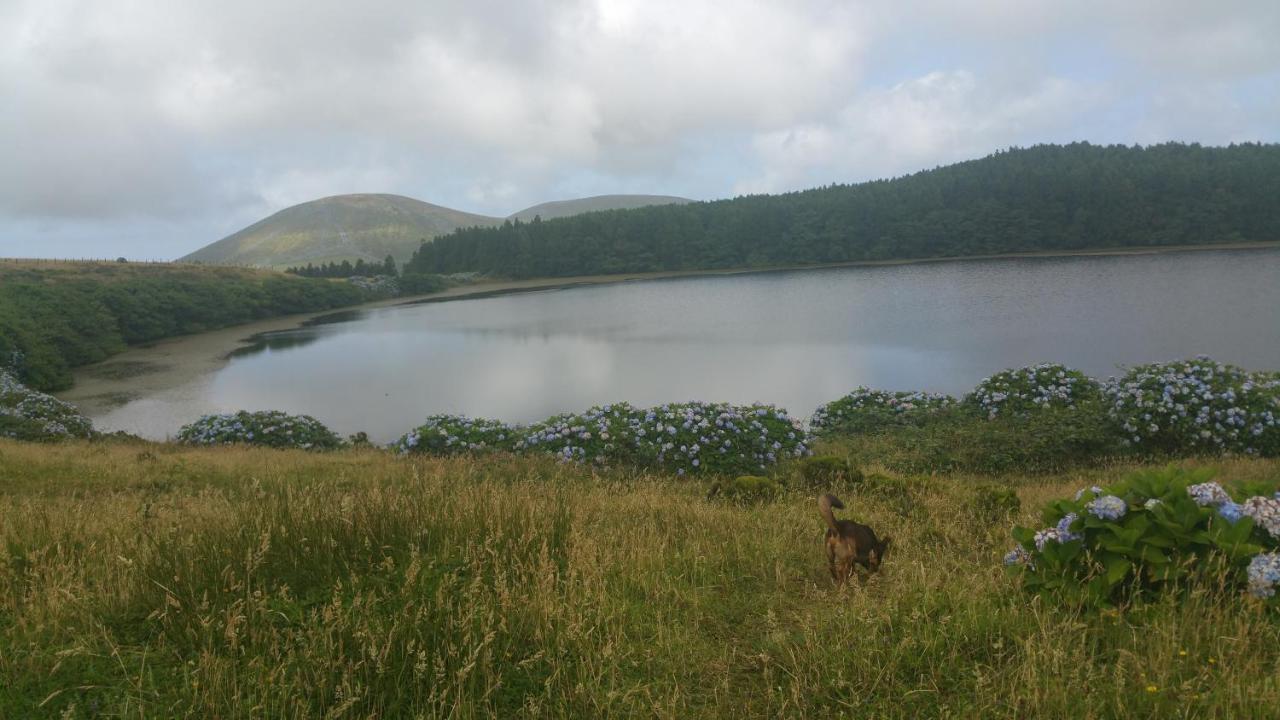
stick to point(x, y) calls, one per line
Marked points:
point(849, 542)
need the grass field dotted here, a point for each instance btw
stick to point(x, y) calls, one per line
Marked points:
point(142, 580)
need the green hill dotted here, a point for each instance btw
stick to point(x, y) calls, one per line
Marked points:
point(565, 208)
point(342, 227)
point(1048, 198)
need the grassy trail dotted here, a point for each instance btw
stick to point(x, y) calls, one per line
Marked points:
point(141, 580)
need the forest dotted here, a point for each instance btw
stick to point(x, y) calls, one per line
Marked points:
point(1047, 198)
point(55, 316)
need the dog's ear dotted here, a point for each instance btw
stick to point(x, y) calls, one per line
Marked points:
point(884, 545)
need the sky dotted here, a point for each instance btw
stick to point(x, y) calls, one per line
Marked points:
point(150, 128)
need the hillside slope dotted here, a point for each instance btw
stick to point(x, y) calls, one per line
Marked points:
point(565, 208)
point(341, 227)
point(1048, 198)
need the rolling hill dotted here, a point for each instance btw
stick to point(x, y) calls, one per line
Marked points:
point(372, 226)
point(565, 208)
point(342, 227)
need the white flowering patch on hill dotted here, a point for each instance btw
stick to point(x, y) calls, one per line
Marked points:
point(1196, 406)
point(27, 414)
point(867, 410)
point(684, 438)
point(1036, 387)
point(269, 429)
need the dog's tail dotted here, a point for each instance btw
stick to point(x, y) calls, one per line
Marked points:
point(825, 503)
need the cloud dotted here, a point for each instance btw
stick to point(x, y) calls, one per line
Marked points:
point(936, 119)
point(136, 118)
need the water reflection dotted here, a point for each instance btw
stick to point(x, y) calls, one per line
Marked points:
point(793, 338)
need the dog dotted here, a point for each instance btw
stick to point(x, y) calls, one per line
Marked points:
point(849, 543)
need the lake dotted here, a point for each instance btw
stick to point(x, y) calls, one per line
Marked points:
point(794, 338)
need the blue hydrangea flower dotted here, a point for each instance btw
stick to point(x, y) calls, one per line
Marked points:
point(1210, 493)
point(1230, 511)
point(1264, 574)
point(1107, 507)
point(1018, 556)
point(1094, 489)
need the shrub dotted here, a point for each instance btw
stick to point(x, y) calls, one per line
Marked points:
point(746, 489)
point(1155, 532)
point(270, 428)
point(1050, 440)
point(27, 414)
point(1030, 389)
point(898, 494)
point(1196, 406)
point(827, 470)
point(991, 503)
point(866, 410)
point(717, 438)
point(604, 434)
point(454, 434)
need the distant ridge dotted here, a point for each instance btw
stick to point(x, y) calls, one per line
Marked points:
point(565, 208)
point(341, 227)
point(372, 226)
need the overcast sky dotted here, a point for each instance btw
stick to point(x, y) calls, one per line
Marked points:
point(151, 128)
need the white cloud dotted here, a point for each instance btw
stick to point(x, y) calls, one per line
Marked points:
point(179, 113)
point(939, 118)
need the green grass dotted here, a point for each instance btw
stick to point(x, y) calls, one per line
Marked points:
point(142, 580)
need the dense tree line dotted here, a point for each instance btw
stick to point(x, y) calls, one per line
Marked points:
point(1043, 198)
point(346, 269)
point(54, 317)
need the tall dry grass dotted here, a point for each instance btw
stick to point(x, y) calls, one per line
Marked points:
point(153, 581)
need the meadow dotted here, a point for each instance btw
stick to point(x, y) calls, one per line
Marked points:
point(151, 580)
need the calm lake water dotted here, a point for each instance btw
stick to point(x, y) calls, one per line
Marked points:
point(797, 339)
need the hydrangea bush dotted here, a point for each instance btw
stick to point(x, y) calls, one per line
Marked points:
point(454, 434)
point(603, 434)
point(27, 414)
point(700, 437)
point(1156, 531)
point(1024, 390)
point(269, 429)
point(684, 438)
point(867, 410)
point(1196, 406)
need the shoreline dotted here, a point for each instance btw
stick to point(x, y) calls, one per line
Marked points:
point(173, 362)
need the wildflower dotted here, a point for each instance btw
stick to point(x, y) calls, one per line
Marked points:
point(1152, 503)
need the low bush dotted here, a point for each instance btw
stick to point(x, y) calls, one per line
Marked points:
point(717, 438)
point(865, 410)
point(1030, 389)
point(27, 414)
point(897, 493)
point(270, 428)
point(684, 438)
point(454, 434)
point(1196, 406)
point(1153, 533)
point(1050, 440)
point(828, 470)
point(746, 489)
point(992, 503)
point(605, 434)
